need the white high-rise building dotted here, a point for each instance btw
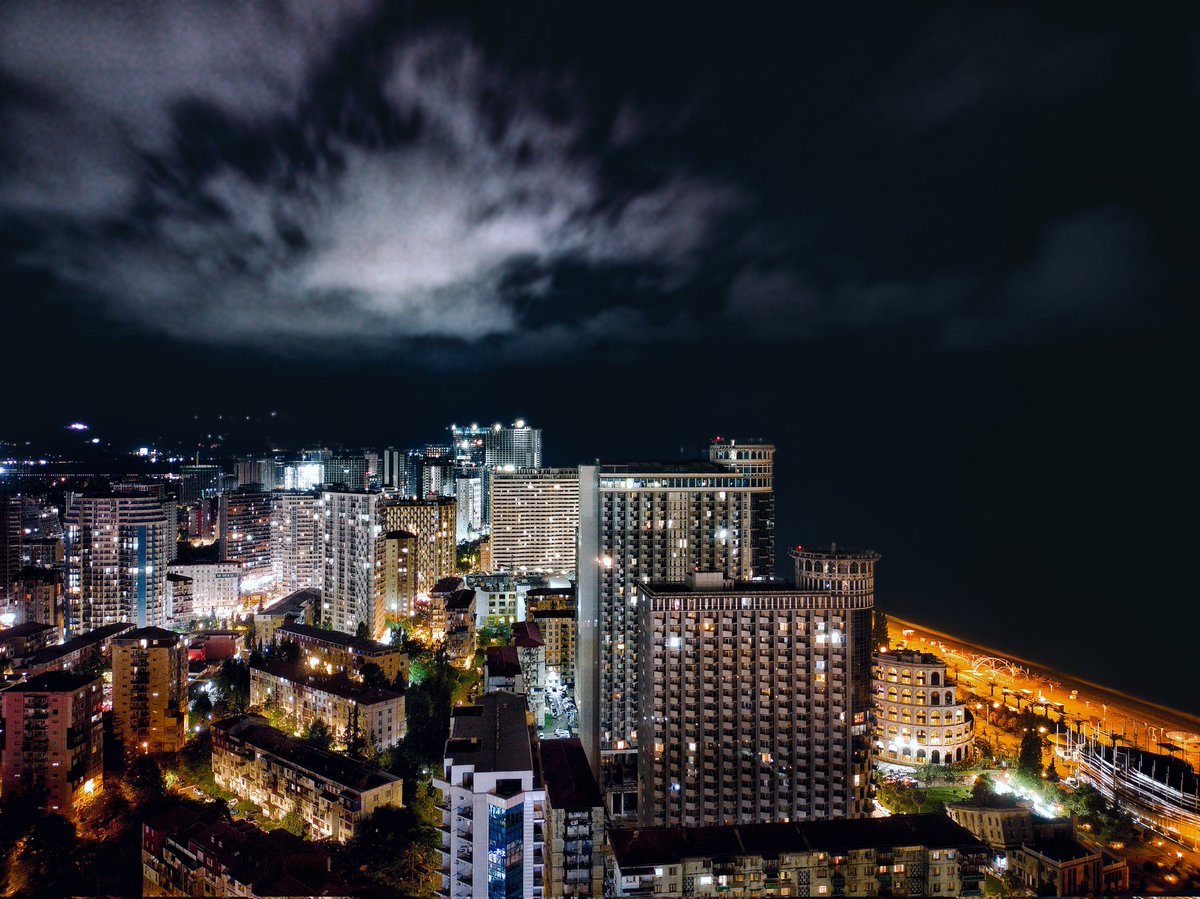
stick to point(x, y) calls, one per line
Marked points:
point(654, 522)
point(469, 494)
point(350, 528)
point(494, 823)
point(297, 560)
point(535, 520)
point(118, 547)
point(518, 446)
point(215, 588)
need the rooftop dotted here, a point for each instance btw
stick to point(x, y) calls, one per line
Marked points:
point(491, 735)
point(910, 657)
point(536, 592)
point(338, 638)
point(680, 467)
point(23, 631)
point(527, 635)
point(1061, 848)
point(338, 684)
point(293, 603)
point(553, 613)
point(501, 661)
point(149, 634)
point(460, 600)
point(833, 551)
point(726, 588)
point(52, 654)
point(341, 769)
point(568, 776)
point(54, 682)
point(671, 845)
point(399, 535)
point(446, 585)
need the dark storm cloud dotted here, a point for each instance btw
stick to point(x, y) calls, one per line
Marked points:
point(284, 175)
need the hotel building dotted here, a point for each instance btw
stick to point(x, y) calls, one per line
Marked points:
point(654, 522)
point(918, 718)
point(535, 517)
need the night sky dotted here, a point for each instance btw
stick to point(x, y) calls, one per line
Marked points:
point(945, 257)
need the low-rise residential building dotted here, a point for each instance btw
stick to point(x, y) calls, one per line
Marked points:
point(150, 693)
point(574, 821)
point(38, 596)
point(300, 607)
point(216, 646)
point(558, 628)
point(502, 670)
point(460, 627)
point(901, 855)
point(919, 719)
point(337, 652)
point(352, 711)
point(531, 653)
point(53, 741)
point(493, 804)
point(83, 653)
point(1060, 866)
point(500, 599)
point(186, 854)
point(215, 589)
point(1005, 823)
point(23, 640)
point(283, 775)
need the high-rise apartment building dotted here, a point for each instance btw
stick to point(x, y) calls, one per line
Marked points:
point(574, 821)
point(261, 474)
point(468, 493)
point(350, 529)
point(391, 469)
point(38, 597)
point(653, 522)
point(198, 482)
point(53, 740)
point(493, 824)
point(11, 533)
point(215, 590)
point(245, 529)
point(118, 547)
point(150, 695)
point(297, 560)
point(748, 704)
point(432, 521)
point(346, 472)
point(518, 446)
point(535, 519)
point(396, 574)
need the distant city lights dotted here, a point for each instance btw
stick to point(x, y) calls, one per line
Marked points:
point(77, 426)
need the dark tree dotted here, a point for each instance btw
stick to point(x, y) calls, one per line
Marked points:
point(1052, 775)
point(362, 631)
point(288, 651)
point(145, 779)
point(1029, 762)
point(202, 706)
point(983, 787)
point(879, 629)
point(318, 735)
point(374, 677)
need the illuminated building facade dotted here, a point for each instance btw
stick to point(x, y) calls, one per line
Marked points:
point(215, 589)
point(746, 704)
point(297, 560)
point(918, 718)
point(53, 740)
point(198, 482)
point(150, 697)
point(245, 529)
point(280, 774)
point(350, 530)
point(396, 574)
point(304, 693)
point(653, 522)
point(343, 652)
point(535, 517)
point(432, 522)
point(494, 805)
point(118, 547)
point(518, 446)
